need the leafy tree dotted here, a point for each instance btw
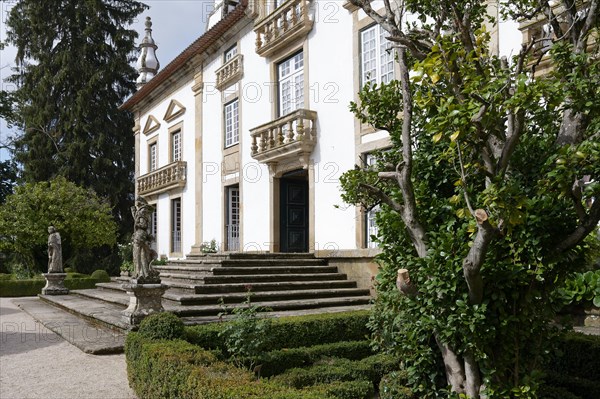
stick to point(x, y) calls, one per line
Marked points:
point(74, 70)
point(8, 178)
point(83, 220)
point(487, 193)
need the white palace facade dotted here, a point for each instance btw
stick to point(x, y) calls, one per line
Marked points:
point(242, 137)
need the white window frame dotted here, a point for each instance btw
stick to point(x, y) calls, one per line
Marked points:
point(233, 218)
point(229, 54)
point(231, 112)
point(153, 228)
point(290, 73)
point(176, 224)
point(152, 156)
point(371, 228)
point(376, 56)
point(176, 146)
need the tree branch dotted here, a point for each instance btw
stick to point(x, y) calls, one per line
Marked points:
point(587, 226)
point(455, 372)
point(382, 196)
point(404, 284)
point(476, 256)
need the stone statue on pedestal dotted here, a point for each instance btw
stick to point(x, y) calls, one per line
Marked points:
point(143, 255)
point(54, 251)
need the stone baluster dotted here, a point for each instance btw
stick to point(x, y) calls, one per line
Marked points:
point(271, 138)
point(254, 147)
point(290, 129)
point(300, 128)
point(263, 142)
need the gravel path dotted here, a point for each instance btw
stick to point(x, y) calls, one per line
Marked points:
point(37, 363)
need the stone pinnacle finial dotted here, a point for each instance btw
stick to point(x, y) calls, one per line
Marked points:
point(147, 64)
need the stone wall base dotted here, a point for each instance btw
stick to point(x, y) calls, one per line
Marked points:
point(55, 284)
point(144, 300)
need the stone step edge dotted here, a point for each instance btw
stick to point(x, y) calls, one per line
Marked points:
point(74, 329)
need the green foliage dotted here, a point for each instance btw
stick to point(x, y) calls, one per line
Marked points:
point(346, 389)
point(12, 287)
point(101, 275)
point(163, 325)
point(277, 361)
point(585, 389)
point(578, 355)
point(209, 247)
point(8, 177)
point(393, 386)
point(80, 216)
point(247, 335)
point(74, 71)
point(293, 332)
point(582, 288)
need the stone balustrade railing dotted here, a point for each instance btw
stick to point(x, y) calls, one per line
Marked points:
point(170, 176)
point(291, 135)
point(287, 23)
point(230, 72)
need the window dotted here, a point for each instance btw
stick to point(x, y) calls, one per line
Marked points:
point(176, 146)
point(377, 57)
point(371, 229)
point(230, 53)
point(232, 126)
point(176, 225)
point(291, 84)
point(152, 157)
point(233, 218)
point(153, 228)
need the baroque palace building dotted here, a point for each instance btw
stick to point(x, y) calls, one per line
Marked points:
point(242, 137)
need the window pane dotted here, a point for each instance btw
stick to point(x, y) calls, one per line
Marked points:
point(232, 129)
point(291, 84)
point(176, 146)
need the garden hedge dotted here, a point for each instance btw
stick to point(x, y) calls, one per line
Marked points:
point(32, 287)
point(294, 332)
point(579, 356)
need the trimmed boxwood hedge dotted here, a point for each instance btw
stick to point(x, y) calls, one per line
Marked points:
point(32, 287)
point(579, 356)
point(582, 388)
point(294, 332)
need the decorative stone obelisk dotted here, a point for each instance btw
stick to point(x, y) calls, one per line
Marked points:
point(147, 64)
point(145, 289)
point(55, 278)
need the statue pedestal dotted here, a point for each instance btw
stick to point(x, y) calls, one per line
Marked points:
point(144, 299)
point(55, 284)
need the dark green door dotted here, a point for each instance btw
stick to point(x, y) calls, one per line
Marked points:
point(294, 215)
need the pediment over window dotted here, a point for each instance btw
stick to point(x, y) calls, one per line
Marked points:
point(174, 110)
point(152, 125)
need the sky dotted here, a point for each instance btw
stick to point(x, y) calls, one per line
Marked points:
point(175, 25)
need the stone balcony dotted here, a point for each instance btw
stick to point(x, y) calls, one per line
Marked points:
point(291, 137)
point(287, 23)
point(160, 180)
point(230, 72)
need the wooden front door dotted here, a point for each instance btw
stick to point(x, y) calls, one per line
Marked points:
point(294, 215)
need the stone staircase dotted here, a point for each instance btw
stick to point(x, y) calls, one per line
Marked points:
point(202, 289)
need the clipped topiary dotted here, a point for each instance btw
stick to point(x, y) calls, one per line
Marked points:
point(393, 386)
point(162, 325)
point(101, 275)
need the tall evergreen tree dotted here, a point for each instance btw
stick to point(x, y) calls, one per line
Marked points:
point(74, 60)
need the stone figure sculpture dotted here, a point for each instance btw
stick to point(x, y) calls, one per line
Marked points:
point(143, 255)
point(55, 264)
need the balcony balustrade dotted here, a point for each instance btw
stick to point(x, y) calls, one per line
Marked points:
point(230, 72)
point(291, 136)
point(168, 177)
point(285, 24)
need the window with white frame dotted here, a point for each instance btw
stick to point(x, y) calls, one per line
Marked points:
point(176, 146)
point(152, 157)
point(371, 229)
point(233, 218)
point(230, 53)
point(291, 84)
point(377, 56)
point(232, 123)
point(176, 225)
point(153, 228)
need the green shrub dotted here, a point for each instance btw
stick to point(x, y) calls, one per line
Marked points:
point(295, 331)
point(548, 392)
point(101, 275)
point(69, 270)
point(360, 389)
point(579, 356)
point(581, 387)
point(71, 275)
point(162, 325)
point(276, 362)
point(5, 276)
point(393, 386)
point(81, 283)
point(16, 288)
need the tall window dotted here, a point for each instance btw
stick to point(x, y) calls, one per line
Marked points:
point(230, 53)
point(152, 157)
point(377, 57)
point(371, 229)
point(232, 125)
point(291, 84)
point(233, 218)
point(176, 146)
point(153, 229)
point(176, 225)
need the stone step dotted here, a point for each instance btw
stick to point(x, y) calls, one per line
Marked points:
point(186, 268)
point(115, 293)
point(194, 320)
point(85, 334)
point(107, 314)
point(226, 270)
point(259, 278)
point(252, 255)
point(252, 262)
point(192, 279)
point(273, 286)
point(212, 310)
